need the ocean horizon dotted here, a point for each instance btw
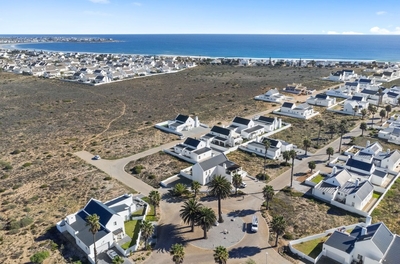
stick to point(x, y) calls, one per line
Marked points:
point(312, 47)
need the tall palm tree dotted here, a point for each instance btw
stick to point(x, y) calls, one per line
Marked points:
point(190, 211)
point(363, 126)
point(373, 111)
point(380, 93)
point(147, 229)
point(221, 255)
point(364, 112)
point(342, 130)
point(219, 187)
point(292, 156)
point(268, 193)
point(388, 109)
point(236, 182)
point(154, 200)
point(93, 221)
point(320, 123)
point(306, 144)
point(330, 151)
point(278, 225)
point(178, 253)
point(286, 156)
point(382, 114)
point(267, 145)
point(206, 219)
point(195, 187)
point(332, 129)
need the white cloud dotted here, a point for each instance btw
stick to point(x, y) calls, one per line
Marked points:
point(378, 30)
point(96, 13)
point(332, 32)
point(352, 33)
point(379, 13)
point(137, 4)
point(100, 1)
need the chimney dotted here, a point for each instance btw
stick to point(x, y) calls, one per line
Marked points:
point(279, 122)
point(368, 143)
point(196, 121)
point(356, 183)
point(363, 230)
point(334, 170)
point(368, 220)
point(388, 151)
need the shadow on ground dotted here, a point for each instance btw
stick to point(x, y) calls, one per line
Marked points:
point(243, 252)
point(241, 213)
point(169, 234)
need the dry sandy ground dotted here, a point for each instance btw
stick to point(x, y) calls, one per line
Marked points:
point(43, 121)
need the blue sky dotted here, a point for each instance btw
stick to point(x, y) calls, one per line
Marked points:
point(200, 16)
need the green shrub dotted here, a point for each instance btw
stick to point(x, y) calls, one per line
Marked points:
point(137, 169)
point(107, 178)
point(27, 164)
point(26, 221)
point(151, 176)
point(262, 177)
point(39, 257)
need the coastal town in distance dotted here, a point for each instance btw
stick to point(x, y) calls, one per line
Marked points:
point(122, 158)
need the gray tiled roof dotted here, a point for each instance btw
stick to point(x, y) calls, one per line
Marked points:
point(356, 164)
point(213, 162)
point(392, 255)
point(201, 151)
point(192, 142)
point(182, 118)
point(341, 241)
point(378, 233)
point(253, 129)
point(220, 130)
point(117, 200)
point(242, 121)
point(287, 105)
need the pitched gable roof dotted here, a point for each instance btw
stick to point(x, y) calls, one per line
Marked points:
point(392, 255)
point(182, 118)
point(341, 241)
point(378, 233)
point(353, 163)
point(240, 120)
point(97, 207)
point(266, 119)
point(220, 130)
point(213, 162)
point(192, 142)
point(287, 105)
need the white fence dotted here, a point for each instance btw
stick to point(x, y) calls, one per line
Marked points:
point(309, 182)
point(383, 194)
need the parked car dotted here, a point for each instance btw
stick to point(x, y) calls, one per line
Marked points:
point(254, 224)
point(97, 157)
point(243, 185)
point(112, 254)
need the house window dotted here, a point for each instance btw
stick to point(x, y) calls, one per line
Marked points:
point(323, 193)
point(115, 223)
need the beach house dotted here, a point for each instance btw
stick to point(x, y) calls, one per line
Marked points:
point(222, 136)
point(276, 147)
point(269, 123)
point(192, 150)
point(272, 95)
point(302, 111)
point(183, 123)
point(321, 100)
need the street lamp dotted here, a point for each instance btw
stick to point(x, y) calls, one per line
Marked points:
point(266, 257)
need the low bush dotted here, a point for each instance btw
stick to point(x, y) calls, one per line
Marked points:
point(39, 257)
point(137, 169)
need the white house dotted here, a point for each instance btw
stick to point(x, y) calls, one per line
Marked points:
point(246, 127)
point(341, 92)
point(273, 152)
point(356, 103)
point(204, 171)
point(112, 215)
point(183, 123)
point(321, 100)
point(303, 111)
point(369, 244)
point(269, 123)
point(193, 149)
point(222, 136)
point(272, 95)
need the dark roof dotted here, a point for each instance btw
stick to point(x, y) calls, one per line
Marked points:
point(266, 119)
point(379, 173)
point(241, 120)
point(213, 162)
point(117, 200)
point(192, 142)
point(288, 105)
point(392, 255)
point(353, 163)
point(273, 142)
point(201, 151)
point(363, 190)
point(321, 96)
point(357, 98)
point(96, 207)
point(341, 241)
point(378, 233)
point(87, 237)
point(253, 129)
point(392, 94)
point(351, 83)
point(364, 81)
point(370, 92)
point(220, 130)
point(182, 118)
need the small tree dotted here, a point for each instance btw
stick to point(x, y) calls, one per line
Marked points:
point(147, 230)
point(306, 144)
point(190, 212)
point(195, 187)
point(268, 193)
point(355, 110)
point(332, 129)
point(330, 151)
point(364, 112)
point(39, 257)
point(286, 156)
point(363, 127)
point(154, 200)
point(382, 114)
point(278, 225)
point(206, 219)
point(179, 189)
point(372, 109)
point(178, 253)
point(388, 109)
point(311, 166)
point(118, 260)
point(221, 255)
point(219, 187)
point(236, 182)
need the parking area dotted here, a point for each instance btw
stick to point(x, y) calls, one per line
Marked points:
point(103, 258)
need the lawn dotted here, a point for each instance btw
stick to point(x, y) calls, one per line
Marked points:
point(376, 195)
point(150, 215)
point(317, 179)
point(138, 212)
point(311, 248)
point(132, 228)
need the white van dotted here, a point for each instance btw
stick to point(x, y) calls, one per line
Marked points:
point(254, 224)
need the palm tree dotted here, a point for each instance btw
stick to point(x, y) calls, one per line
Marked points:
point(154, 200)
point(320, 123)
point(342, 130)
point(306, 144)
point(388, 109)
point(178, 253)
point(236, 182)
point(363, 113)
point(382, 114)
point(329, 152)
point(332, 129)
point(190, 212)
point(292, 156)
point(267, 145)
point(268, 193)
point(372, 109)
point(363, 126)
point(195, 187)
point(219, 187)
point(286, 156)
point(355, 110)
point(278, 225)
point(380, 93)
point(311, 165)
point(93, 221)
point(206, 219)
point(147, 229)
point(221, 255)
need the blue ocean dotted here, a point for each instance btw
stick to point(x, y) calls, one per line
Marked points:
point(329, 47)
